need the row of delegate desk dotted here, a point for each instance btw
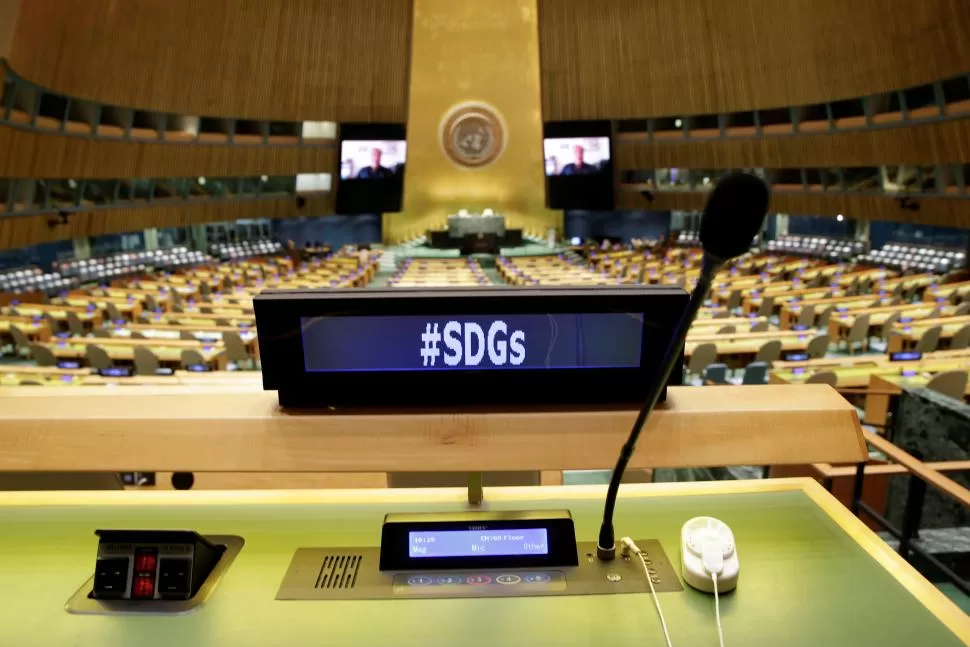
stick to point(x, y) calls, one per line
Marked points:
point(877, 376)
point(167, 324)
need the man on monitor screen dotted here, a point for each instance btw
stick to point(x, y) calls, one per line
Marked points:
point(578, 166)
point(375, 171)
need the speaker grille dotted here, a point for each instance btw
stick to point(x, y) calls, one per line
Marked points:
point(339, 571)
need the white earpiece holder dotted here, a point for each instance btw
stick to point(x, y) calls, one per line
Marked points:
point(708, 549)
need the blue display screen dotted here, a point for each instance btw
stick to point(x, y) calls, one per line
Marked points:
point(115, 372)
point(478, 543)
point(907, 356)
point(472, 342)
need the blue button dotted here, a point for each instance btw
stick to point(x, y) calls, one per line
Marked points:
point(536, 578)
point(449, 579)
point(420, 580)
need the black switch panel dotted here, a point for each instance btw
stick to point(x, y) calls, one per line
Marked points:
point(149, 565)
point(174, 578)
point(111, 578)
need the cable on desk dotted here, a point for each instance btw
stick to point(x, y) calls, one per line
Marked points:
point(628, 547)
point(717, 611)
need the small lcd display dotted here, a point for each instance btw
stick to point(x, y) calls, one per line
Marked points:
point(908, 356)
point(473, 342)
point(493, 542)
point(115, 371)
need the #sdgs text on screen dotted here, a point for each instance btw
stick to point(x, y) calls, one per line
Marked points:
point(472, 342)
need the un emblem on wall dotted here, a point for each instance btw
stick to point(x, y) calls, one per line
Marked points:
point(473, 134)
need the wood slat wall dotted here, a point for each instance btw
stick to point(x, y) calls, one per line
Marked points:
point(338, 60)
point(937, 143)
point(947, 212)
point(618, 59)
point(32, 230)
point(30, 154)
point(8, 20)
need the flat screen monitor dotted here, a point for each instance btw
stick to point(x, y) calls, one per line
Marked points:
point(372, 161)
point(578, 165)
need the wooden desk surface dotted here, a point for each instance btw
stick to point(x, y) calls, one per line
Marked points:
point(193, 319)
point(911, 280)
point(125, 307)
point(869, 359)
point(168, 331)
point(167, 352)
point(122, 341)
point(217, 309)
point(871, 273)
point(767, 335)
point(838, 302)
point(906, 335)
point(789, 531)
point(858, 376)
point(944, 291)
point(923, 324)
point(919, 380)
point(887, 387)
point(59, 312)
point(198, 327)
point(806, 296)
point(749, 347)
point(207, 430)
point(713, 325)
point(38, 330)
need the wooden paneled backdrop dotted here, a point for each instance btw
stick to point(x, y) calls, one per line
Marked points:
point(936, 143)
point(20, 231)
point(617, 59)
point(947, 212)
point(31, 154)
point(8, 21)
point(338, 60)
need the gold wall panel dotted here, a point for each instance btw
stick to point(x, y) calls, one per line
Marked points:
point(474, 116)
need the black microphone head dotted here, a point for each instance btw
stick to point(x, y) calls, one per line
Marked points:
point(733, 216)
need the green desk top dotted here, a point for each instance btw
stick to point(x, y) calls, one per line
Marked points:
point(805, 581)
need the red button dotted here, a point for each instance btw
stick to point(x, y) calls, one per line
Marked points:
point(143, 587)
point(145, 563)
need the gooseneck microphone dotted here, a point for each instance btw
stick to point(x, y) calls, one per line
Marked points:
point(733, 216)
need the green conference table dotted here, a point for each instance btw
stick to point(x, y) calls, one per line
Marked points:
point(811, 574)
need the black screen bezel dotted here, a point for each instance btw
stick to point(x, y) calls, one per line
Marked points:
point(560, 533)
point(589, 192)
point(370, 196)
point(278, 316)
